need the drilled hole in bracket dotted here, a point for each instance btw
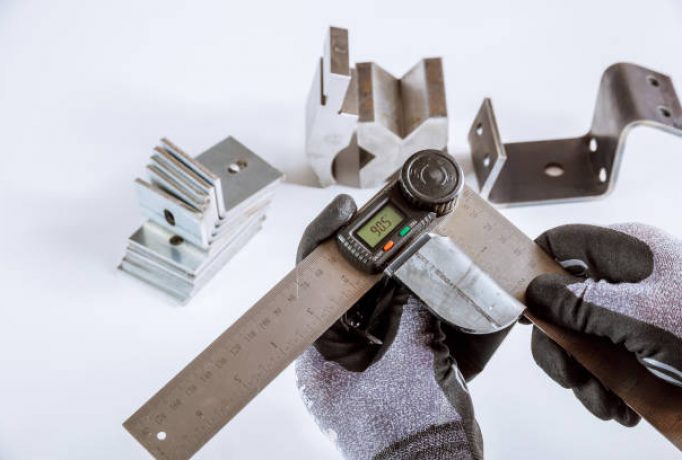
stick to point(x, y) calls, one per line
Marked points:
point(653, 81)
point(593, 145)
point(603, 175)
point(161, 435)
point(479, 129)
point(170, 218)
point(665, 111)
point(487, 160)
point(237, 166)
point(554, 170)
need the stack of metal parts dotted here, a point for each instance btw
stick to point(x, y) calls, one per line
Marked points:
point(201, 211)
point(362, 123)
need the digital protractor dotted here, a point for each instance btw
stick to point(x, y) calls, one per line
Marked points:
point(426, 198)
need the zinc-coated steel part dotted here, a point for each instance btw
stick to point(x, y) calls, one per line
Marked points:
point(362, 123)
point(177, 421)
point(172, 213)
point(180, 268)
point(201, 212)
point(443, 276)
point(197, 197)
point(579, 168)
point(241, 173)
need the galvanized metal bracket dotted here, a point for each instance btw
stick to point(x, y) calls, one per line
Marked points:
point(578, 168)
point(362, 122)
point(200, 212)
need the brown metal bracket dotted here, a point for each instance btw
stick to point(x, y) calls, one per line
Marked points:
point(579, 168)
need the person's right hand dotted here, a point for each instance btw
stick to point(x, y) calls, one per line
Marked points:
point(626, 286)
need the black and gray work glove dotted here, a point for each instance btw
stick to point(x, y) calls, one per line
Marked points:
point(382, 383)
point(626, 286)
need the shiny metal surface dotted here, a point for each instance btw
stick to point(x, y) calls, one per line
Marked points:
point(362, 123)
point(456, 290)
point(579, 168)
point(181, 270)
point(201, 211)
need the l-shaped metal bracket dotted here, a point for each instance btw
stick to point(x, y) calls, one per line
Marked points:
point(577, 168)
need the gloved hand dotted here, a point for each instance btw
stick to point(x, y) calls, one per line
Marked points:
point(626, 286)
point(382, 382)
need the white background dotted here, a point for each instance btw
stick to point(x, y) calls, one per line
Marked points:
point(87, 88)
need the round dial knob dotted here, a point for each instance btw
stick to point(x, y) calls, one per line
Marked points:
point(431, 180)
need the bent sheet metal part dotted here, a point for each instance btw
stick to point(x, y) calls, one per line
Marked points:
point(201, 211)
point(578, 168)
point(362, 123)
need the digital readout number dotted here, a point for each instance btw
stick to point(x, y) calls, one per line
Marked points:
point(380, 225)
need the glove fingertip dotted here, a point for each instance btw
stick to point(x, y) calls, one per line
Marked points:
point(334, 216)
point(547, 293)
point(555, 362)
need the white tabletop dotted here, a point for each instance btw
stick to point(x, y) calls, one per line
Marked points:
point(87, 88)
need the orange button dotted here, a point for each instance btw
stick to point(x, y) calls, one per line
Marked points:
point(389, 244)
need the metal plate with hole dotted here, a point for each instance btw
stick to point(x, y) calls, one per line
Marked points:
point(186, 239)
point(188, 194)
point(182, 269)
point(241, 172)
point(579, 168)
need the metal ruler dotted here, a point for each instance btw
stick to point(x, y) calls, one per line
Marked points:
point(177, 421)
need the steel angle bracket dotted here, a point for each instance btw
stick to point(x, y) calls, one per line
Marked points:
point(579, 168)
point(362, 122)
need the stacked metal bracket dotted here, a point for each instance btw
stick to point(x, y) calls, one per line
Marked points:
point(577, 168)
point(201, 211)
point(362, 123)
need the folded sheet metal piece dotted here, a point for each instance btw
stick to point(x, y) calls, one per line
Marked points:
point(200, 212)
point(362, 122)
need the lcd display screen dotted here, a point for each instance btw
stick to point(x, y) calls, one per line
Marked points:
point(380, 225)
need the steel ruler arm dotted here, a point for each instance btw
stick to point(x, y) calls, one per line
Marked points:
point(177, 421)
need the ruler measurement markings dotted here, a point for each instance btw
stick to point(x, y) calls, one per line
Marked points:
point(226, 367)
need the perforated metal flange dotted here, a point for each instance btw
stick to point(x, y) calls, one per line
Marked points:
point(576, 168)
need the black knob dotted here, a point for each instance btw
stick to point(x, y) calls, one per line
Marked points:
point(431, 180)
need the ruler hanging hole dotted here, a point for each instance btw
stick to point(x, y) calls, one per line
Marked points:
point(161, 435)
point(486, 160)
point(170, 218)
point(653, 81)
point(665, 111)
point(479, 129)
point(603, 175)
point(176, 240)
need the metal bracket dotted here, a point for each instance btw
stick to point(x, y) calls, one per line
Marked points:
point(579, 168)
point(201, 211)
point(362, 123)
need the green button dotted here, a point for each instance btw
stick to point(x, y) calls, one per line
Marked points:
point(406, 229)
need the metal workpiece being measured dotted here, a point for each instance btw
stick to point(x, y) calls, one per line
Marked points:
point(201, 211)
point(362, 122)
point(578, 168)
